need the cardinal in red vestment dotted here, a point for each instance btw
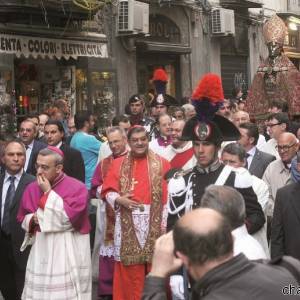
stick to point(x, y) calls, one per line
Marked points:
point(135, 187)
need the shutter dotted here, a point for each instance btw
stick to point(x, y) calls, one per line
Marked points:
point(234, 72)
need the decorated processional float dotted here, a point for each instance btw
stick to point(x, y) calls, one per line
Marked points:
point(277, 78)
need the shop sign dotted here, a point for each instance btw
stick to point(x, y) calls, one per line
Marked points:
point(43, 47)
point(163, 29)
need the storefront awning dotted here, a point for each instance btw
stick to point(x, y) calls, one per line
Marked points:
point(52, 48)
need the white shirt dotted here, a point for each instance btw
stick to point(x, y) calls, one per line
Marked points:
point(58, 145)
point(5, 187)
point(270, 147)
point(246, 244)
point(28, 154)
point(261, 142)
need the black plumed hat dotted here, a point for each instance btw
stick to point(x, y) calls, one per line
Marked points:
point(216, 131)
point(160, 80)
point(164, 99)
point(206, 125)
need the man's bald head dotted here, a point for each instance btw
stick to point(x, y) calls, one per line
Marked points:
point(287, 146)
point(203, 235)
point(210, 220)
point(240, 117)
point(287, 137)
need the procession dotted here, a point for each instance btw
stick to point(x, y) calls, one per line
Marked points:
point(156, 196)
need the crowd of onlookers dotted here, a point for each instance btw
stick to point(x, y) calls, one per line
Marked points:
point(267, 149)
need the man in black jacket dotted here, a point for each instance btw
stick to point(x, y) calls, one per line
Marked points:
point(285, 239)
point(73, 162)
point(257, 161)
point(27, 133)
point(206, 251)
point(13, 182)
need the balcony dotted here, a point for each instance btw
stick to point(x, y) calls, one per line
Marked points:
point(233, 4)
point(48, 14)
point(52, 7)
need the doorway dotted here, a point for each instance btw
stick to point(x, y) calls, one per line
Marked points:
point(148, 62)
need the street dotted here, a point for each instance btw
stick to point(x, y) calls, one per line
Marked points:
point(163, 136)
point(94, 295)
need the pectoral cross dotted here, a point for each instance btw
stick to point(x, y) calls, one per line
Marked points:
point(133, 183)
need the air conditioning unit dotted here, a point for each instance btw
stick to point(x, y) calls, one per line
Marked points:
point(294, 6)
point(133, 17)
point(222, 22)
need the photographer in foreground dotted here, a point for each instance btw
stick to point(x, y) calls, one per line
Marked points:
point(206, 251)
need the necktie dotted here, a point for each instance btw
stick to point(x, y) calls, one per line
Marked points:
point(247, 165)
point(8, 200)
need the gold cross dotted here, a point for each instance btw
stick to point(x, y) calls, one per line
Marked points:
point(133, 183)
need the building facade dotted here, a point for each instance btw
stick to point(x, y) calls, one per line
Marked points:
point(65, 52)
point(46, 54)
point(178, 40)
point(181, 40)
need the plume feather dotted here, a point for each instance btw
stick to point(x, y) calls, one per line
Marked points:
point(160, 75)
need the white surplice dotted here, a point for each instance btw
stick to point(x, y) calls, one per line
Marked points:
point(59, 263)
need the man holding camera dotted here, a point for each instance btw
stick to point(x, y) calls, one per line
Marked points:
point(206, 251)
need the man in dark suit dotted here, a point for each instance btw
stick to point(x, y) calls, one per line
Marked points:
point(73, 162)
point(285, 239)
point(27, 133)
point(257, 161)
point(12, 185)
point(72, 130)
point(2, 144)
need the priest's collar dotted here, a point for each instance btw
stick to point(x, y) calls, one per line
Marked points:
point(211, 168)
point(122, 154)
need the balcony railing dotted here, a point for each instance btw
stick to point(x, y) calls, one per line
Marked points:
point(51, 5)
point(241, 3)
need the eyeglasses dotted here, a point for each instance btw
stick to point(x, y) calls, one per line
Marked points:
point(284, 148)
point(26, 129)
point(272, 125)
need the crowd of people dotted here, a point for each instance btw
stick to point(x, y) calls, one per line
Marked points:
point(180, 202)
point(197, 200)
